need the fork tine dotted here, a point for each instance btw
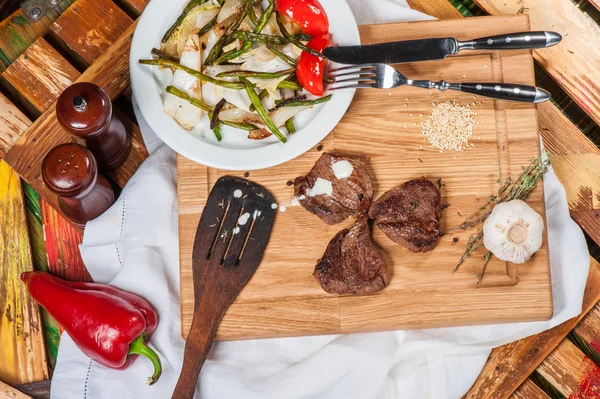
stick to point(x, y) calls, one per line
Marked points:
point(357, 75)
point(356, 86)
point(355, 79)
point(360, 67)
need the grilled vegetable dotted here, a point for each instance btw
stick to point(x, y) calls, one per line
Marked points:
point(194, 73)
point(310, 68)
point(260, 109)
point(309, 14)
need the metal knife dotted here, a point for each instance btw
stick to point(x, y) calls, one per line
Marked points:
point(437, 49)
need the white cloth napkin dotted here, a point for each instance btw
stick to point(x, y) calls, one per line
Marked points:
point(134, 246)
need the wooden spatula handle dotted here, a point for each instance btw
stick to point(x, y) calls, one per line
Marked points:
point(197, 347)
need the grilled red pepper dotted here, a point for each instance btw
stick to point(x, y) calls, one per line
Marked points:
point(109, 325)
point(309, 14)
point(310, 67)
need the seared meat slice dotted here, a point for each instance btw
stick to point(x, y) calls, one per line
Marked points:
point(336, 187)
point(410, 215)
point(352, 264)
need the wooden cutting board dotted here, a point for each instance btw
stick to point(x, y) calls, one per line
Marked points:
point(283, 298)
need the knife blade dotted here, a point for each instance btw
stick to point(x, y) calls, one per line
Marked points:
point(437, 49)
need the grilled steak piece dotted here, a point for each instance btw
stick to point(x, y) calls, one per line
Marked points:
point(410, 215)
point(336, 187)
point(352, 264)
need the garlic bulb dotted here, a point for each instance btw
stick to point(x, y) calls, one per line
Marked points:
point(513, 231)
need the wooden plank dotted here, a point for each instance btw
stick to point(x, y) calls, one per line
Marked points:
point(88, 28)
point(23, 356)
point(509, 365)
point(111, 72)
point(571, 372)
point(589, 328)
point(17, 32)
point(37, 390)
point(441, 9)
point(8, 392)
point(13, 123)
point(528, 390)
point(39, 76)
point(431, 295)
point(135, 6)
point(574, 63)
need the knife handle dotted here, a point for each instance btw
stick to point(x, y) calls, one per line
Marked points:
point(505, 91)
point(512, 41)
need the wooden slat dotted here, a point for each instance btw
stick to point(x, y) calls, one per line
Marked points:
point(17, 32)
point(37, 390)
point(22, 354)
point(88, 28)
point(528, 390)
point(441, 9)
point(39, 76)
point(571, 372)
point(110, 72)
point(13, 123)
point(8, 392)
point(136, 6)
point(589, 328)
point(573, 63)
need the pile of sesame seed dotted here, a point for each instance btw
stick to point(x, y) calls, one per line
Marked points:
point(449, 127)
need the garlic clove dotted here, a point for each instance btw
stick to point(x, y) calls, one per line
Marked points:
point(513, 231)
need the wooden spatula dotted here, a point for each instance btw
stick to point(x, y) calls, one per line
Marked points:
point(230, 241)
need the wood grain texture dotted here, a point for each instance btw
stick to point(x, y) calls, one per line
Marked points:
point(17, 32)
point(111, 72)
point(37, 390)
point(528, 390)
point(8, 392)
point(430, 294)
point(135, 6)
point(13, 123)
point(89, 27)
point(38, 76)
point(23, 356)
point(508, 366)
point(573, 63)
point(571, 372)
point(440, 9)
point(589, 328)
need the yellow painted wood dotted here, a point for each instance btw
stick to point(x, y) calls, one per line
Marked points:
point(423, 291)
point(22, 351)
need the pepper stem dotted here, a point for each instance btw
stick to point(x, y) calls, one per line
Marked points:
point(139, 347)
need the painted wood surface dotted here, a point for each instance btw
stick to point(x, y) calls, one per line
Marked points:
point(424, 283)
point(8, 392)
point(89, 27)
point(571, 372)
point(589, 328)
point(573, 63)
point(13, 123)
point(528, 390)
point(21, 331)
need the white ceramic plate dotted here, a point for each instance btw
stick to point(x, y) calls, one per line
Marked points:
point(235, 151)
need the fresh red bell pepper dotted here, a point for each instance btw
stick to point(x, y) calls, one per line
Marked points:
point(308, 14)
point(310, 68)
point(109, 325)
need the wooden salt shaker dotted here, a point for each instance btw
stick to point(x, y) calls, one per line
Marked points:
point(70, 171)
point(85, 111)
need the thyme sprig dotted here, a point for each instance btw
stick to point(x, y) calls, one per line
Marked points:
point(511, 190)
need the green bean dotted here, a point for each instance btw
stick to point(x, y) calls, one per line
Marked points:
point(261, 95)
point(288, 84)
point(233, 54)
point(217, 131)
point(282, 103)
point(213, 55)
point(288, 60)
point(295, 41)
point(208, 26)
point(259, 37)
point(257, 75)
point(289, 125)
point(216, 50)
point(307, 103)
point(303, 37)
point(184, 96)
point(161, 54)
point(246, 6)
point(214, 118)
point(265, 17)
point(198, 75)
point(240, 125)
point(191, 5)
point(252, 16)
point(262, 112)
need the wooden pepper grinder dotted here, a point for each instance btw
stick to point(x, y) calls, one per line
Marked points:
point(70, 171)
point(85, 111)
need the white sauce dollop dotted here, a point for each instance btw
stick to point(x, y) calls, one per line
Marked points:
point(237, 193)
point(236, 230)
point(342, 169)
point(244, 219)
point(295, 202)
point(273, 206)
point(321, 187)
point(256, 214)
point(282, 208)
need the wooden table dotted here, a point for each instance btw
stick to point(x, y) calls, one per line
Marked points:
point(38, 60)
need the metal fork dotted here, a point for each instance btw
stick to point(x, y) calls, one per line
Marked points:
point(382, 76)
